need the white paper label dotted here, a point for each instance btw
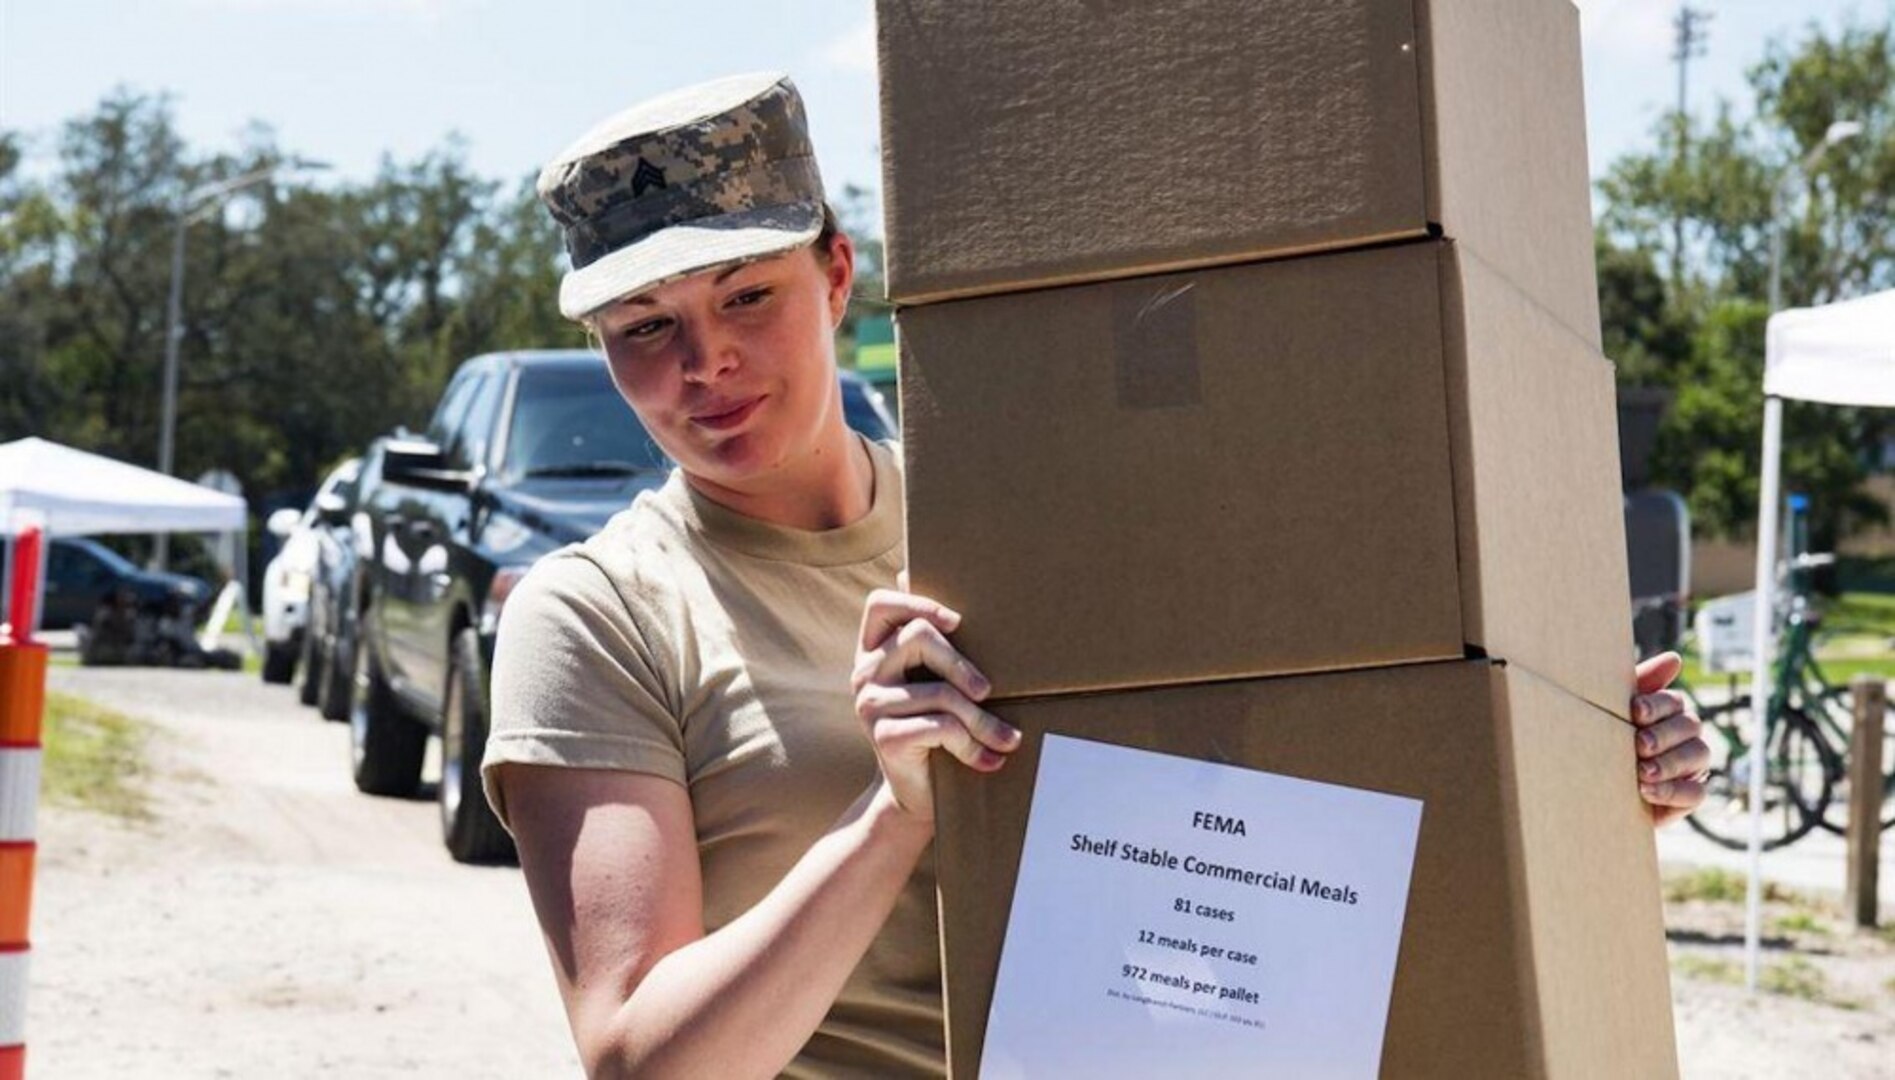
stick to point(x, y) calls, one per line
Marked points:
point(1182, 918)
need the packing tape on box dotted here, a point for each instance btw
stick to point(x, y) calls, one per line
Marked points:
point(19, 792)
point(1155, 343)
point(12, 997)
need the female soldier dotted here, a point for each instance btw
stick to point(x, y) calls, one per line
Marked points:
point(731, 879)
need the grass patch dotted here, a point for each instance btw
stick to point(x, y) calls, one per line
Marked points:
point(1857, 629)
point(1862, 612)
point(1794, 977)
point(1708, 969)
point(94, 758)
point(1798, 978)
point(1802, 922)
point(1841, 671)
point(1707, 883)
point(1838, 669)
point(1716, 885)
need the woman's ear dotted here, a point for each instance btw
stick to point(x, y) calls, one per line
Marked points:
point(841, 273)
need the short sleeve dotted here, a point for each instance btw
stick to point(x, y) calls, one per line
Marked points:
point(575, 683)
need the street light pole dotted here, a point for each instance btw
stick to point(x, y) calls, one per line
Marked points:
point(195, 206)
point(1838, 131)
point(167, 424)
point(1763, 633)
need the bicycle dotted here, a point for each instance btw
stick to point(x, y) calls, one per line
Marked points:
point(1807, 732)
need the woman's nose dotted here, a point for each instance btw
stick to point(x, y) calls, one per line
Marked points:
point(709, 352)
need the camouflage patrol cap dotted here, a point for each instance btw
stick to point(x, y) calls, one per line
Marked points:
point(710, 175)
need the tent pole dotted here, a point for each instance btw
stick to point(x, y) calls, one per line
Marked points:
point(1762, 633)
point(243, 597)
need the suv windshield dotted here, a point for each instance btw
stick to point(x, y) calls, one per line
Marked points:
point(571, 421)
point(120, 564)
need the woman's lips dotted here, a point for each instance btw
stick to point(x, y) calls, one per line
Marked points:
point(728, 418)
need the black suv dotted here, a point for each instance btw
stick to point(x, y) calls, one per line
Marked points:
point(527, 452)
point(82, 574)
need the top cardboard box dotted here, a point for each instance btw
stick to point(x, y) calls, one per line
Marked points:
point(1062, 141)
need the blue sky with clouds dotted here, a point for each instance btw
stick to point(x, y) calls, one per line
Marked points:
point(347, 81)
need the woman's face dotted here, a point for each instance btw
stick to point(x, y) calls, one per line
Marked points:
point(733, 371)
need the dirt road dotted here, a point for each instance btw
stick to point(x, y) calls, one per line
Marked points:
point(269, 920)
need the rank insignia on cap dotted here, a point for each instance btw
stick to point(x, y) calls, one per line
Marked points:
point(646, 176)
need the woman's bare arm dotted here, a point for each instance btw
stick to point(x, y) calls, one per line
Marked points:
point(611, 861)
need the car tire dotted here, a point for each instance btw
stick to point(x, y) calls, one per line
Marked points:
point(279, 662)
point(386, 748)
point(312, 666)
point(468, 825)
point(338, 679)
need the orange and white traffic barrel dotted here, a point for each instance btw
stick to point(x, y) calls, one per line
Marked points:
point(22, 703)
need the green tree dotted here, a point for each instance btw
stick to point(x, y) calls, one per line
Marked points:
point(1715, 434)
point(508, 295)
point(29, 231)
point(1695, 325)
point(1646, 332)
point(857, 213)
point(313, 318)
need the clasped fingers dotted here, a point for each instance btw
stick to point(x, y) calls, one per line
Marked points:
point(1672, 753)
point(918, 644)
point(876, 703)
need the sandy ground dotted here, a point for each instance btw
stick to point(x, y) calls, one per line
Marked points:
point(270, 921)
point(1833, 1010)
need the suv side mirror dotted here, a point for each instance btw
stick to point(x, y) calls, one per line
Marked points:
point(419, 463)
point(283, 522)
point(332, 509)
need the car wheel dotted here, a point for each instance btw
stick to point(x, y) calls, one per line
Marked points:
point(338, 679)
point(279, 662)
point(385, 747)
point(468, 824)
point(311, 663)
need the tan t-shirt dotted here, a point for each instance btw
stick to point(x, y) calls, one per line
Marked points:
point(690, 642)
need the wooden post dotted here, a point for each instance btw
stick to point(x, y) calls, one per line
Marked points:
point(1865, 797)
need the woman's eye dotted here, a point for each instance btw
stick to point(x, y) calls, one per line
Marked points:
point(648, 329)
point(750, 297)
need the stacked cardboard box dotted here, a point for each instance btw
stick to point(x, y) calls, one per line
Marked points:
point(1254, 411)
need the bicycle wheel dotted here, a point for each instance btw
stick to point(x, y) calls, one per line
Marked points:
point(1841, 717)
point(1798, 783)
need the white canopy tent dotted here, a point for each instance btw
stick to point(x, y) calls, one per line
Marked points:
point(1840, 354)
point(74, 493)
point(80, 494)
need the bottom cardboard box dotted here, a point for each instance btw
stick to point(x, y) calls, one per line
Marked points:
point(1532, 943)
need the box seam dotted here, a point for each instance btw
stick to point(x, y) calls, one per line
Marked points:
point(1424, 98)
point(1454, 384)
point(1217, 680)
point(1427, 234)
point(1526, 967)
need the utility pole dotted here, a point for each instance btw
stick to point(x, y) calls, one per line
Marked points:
point(1690, 29)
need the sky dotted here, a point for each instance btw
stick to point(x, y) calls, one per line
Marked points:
point(349, 81)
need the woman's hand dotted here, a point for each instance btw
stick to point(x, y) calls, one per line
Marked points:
point(903, 633)
point(1672, 753)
